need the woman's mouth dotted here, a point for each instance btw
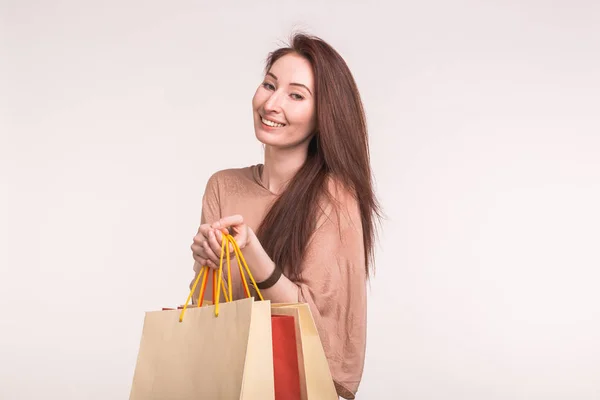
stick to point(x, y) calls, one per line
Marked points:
point(271, 124)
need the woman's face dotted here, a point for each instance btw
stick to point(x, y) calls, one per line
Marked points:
point(284, 104)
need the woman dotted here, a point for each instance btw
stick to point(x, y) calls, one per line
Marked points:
point(305, 218)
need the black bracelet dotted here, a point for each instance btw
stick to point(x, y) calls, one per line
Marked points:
point(270, 281)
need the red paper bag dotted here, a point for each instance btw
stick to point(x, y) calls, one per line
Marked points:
point(285, 358)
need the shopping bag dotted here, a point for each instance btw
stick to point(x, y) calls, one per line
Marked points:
point(206, 357)
point(316, 381)
point(283, 328)
point(285, 358)
point(222, 351)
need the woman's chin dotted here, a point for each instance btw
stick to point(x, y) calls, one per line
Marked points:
point(270, 143)
point(268, 138)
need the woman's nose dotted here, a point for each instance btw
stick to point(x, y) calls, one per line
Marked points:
point(273, 103)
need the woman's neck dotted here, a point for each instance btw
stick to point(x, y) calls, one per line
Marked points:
point(280, 166)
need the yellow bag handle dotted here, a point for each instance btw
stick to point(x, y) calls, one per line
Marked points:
point(241, 258)
point(204, 272)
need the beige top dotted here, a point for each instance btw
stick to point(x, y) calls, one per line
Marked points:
point(333, 279)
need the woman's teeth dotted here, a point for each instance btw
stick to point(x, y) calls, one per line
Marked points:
point(270, 123)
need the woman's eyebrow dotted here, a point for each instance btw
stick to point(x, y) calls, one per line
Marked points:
point(293, 83)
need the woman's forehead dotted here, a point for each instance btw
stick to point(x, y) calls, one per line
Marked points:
point(293, 68)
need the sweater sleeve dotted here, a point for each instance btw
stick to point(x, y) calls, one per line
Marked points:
point(211, 211)
point(333, 283)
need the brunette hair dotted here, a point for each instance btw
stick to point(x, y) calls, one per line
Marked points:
point(339, 149)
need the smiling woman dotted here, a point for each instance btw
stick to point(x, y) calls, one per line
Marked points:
point(304, 219)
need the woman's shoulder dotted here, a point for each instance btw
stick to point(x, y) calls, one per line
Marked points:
point(233, 179)
point(234, 173)
point(340, 193)
point(339, 205)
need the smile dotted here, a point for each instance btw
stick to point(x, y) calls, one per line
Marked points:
point(271, 123)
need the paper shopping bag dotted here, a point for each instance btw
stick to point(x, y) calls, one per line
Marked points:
point(206, 356)
point(285, 358)
point(316, 382)
point(221, 351)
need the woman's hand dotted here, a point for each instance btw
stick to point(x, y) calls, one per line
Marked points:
point(207, 251)
point(257, 258)
point(239, 230)
point(206, 247)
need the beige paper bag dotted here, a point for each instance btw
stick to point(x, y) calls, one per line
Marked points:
point(316, 382)
point(229, 356)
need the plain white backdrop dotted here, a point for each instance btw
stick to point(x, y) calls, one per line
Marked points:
point(485, 140)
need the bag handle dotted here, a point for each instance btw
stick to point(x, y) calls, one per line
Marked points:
point(241, 258)
point(218, 277)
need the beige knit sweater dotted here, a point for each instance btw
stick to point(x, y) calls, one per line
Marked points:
point(333, 279)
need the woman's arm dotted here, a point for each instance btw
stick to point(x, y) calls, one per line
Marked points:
point(333, 284)
point(284, 291)
point(211, 211)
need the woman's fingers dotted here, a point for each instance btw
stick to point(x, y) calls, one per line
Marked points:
point(210, 254)
point(204, 229)
point(206, 248)
point(235, 224)
point(202, 252)
point(202, 261)
point(220, 236)
point(215, 242)
point(226, 222)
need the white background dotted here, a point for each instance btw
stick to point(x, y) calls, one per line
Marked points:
point(485, 139)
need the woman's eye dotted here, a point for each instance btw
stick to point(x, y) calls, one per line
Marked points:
point(296, 96)
point(268, 86)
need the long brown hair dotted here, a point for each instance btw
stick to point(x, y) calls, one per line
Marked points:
point(339, 149)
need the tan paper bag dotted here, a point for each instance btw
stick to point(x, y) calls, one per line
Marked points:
point(205, 356)
point(316, 382)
